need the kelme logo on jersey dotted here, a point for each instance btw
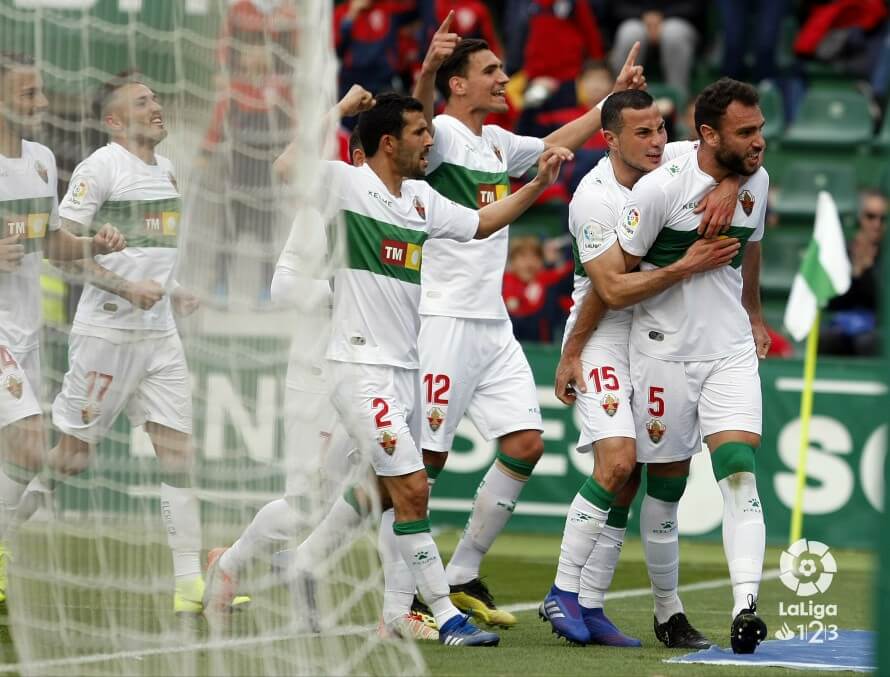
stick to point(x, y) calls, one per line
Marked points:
point(420, 208)
point(41, 171)
point(173, 181)
point(497, 153)
point(656, 430)
point(435, 417)
point(388, 441)
point(630, 221)
point(14, 386)
point(162, 223)
point(489, 193)
point(79, 192)
point(746, 199)
point(609, 404)
point(401, 254)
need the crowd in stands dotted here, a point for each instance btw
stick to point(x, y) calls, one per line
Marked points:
point(562, 56)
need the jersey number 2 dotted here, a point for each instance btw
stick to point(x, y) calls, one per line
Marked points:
point(382, 408)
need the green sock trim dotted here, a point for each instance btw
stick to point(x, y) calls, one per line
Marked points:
point(667, 489)
point(17, 473)
point(433, 471)
point(179, 479)
point(618, 516)
point(519, 467)
point(415, 527)
point(593, 492)
point(350, 497)
point(731, 458)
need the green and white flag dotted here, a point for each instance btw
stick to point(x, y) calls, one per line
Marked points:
point(824, 273)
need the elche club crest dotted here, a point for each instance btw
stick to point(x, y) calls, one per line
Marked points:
point(746, 199)
point(419, 207)
point(14, 386)
point(41, 171)
point(388, 441)
point(435, 418)
point(656, 430)
point(609, 404)
point(89, 413)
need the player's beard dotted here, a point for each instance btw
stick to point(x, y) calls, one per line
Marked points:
point(733, 162)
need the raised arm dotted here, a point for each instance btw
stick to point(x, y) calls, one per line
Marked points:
point(441, 47)
point(498, 214)
point(575, 134)
point(620, 288)
point(751, 297)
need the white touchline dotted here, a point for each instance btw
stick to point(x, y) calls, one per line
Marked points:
point(768, 575)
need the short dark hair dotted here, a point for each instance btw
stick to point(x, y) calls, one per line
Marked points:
point(11, 60)
point(711, 104)
point(457, 63)
point(108, 89)
point(635, 99)
point(386, 117)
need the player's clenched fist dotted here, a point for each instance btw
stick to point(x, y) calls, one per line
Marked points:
point(441, 46)
point(550, 162)
point(184, 302)
point(356, 100)
point(107, 240)
point(143, 293)
point(11, 253)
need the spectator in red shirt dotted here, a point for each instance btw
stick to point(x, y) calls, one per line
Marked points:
point(531, 290)
point(367, 35)
point(472, 19)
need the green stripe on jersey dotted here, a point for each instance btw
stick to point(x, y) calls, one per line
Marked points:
point(469, 187)
point(145, 223)
point(671, 245)
point(382, 248)
point(27, 217)
point(579, 267)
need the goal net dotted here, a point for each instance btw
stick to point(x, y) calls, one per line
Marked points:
point(90, 575)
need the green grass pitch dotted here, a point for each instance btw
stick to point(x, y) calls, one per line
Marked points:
point(519, 570)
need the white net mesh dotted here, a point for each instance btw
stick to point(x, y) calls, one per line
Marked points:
point(91, 586)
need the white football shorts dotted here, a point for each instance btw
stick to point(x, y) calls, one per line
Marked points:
point(676, 404)
point(477, 368)
point(148, 378)
point(19, 384)
point(605, 410)
point(379, 408)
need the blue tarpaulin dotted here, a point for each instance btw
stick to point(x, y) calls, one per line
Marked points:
point(851, 650)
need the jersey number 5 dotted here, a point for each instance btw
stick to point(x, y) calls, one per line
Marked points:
point(656, 402)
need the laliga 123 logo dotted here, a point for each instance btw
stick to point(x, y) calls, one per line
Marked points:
point(807, 568)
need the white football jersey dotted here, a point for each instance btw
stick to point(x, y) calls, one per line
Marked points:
point(376, 294)
point(114, 186)
point(29, 206)
point(702, 317)
point(466, 279)
point(594, 212)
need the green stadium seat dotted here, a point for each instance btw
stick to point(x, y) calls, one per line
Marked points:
point(801, 185)
point(882, 140)
point(660, 90)
point(782, 251)
point(831, 117)
point(773, 109)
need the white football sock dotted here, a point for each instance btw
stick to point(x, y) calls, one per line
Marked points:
point(661, 543)
point(332, 531)
point(597, 574)
point(422, 555)
point(584, 523)
point(10, 496)
point(744, 536)
point(398, 579)
point(273, 526)
point(492, 509)
point(181, 516)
